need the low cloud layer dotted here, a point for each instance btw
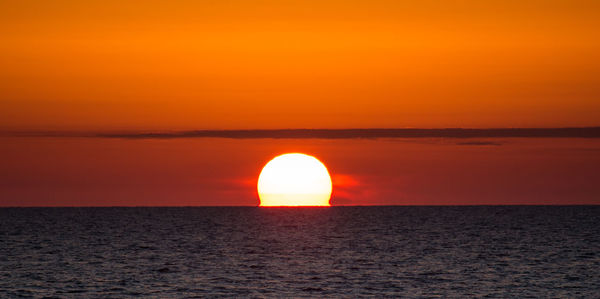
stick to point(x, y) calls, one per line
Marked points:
point(583, 132)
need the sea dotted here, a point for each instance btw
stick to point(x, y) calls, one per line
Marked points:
point(333, 252)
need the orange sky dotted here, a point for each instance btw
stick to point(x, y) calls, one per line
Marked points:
point(80, 65)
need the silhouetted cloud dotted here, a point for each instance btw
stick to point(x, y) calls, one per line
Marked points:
point(582, 132)
point(479, 143)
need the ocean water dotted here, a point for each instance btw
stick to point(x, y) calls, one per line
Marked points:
point(462, 251)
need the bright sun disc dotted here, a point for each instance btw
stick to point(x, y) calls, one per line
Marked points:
point(294, 180)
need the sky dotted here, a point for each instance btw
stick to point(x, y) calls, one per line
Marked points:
point(100, 68)
point(176, 65)
point(224, 172)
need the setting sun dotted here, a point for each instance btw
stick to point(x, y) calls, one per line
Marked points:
point(294, 180)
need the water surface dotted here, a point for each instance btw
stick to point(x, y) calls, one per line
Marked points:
point(501, 251)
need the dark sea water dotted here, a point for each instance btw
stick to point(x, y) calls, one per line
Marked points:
point(501, 251)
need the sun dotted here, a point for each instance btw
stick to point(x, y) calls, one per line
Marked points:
point(294, 180)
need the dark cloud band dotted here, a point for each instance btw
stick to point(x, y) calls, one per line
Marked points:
point(583, 132)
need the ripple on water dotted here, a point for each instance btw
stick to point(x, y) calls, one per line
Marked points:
point(300, 252)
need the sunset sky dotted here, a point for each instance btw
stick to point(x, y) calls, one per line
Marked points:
point(166, 66)
point(169, 65)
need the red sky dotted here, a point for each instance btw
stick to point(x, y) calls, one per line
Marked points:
point(108, 172)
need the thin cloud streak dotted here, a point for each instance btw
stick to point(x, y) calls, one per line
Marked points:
point(581, 132)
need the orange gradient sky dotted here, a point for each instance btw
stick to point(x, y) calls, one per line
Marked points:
point(168, 65)
point(71, 71)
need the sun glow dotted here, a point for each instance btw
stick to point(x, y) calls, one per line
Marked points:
point(294, 180)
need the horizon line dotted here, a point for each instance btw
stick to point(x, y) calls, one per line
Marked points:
point(301, 207)
point(350, 133)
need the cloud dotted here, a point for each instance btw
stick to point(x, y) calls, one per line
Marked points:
point(581, 132)
point(479, 143)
